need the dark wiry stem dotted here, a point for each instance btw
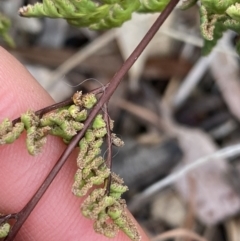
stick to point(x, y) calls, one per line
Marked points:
point(47, 109)
point(105, 97)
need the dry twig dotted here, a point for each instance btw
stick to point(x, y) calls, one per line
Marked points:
point(176, 233)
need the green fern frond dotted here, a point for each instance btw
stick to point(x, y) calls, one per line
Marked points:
point(217, 6)
point(212, 28)
point(5, 25)
point(96, 15)
point(85, 13)
point(153, 5)
point(217, 16)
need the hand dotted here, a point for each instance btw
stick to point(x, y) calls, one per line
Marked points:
point(57, 217)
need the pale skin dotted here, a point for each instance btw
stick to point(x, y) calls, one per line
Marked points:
point(57, 216)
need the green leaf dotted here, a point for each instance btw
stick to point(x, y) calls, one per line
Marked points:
point(4, 230)
point(153, 5)
point(217, 6)
point(5, 25)
point(234, 11)
point(212, 28)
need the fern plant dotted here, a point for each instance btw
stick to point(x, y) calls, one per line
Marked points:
point(5, 25)
point(217, 16)
point(79, 121)
point(104, 204)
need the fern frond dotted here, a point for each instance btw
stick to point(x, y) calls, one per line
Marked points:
point(5, 25)
point(84, 13)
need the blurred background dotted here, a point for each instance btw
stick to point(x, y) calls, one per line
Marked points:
point(177, 111)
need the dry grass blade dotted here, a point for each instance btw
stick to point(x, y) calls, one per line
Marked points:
point(227, 79)
point(177, 233)
point(139, 111)
point(81, 55)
